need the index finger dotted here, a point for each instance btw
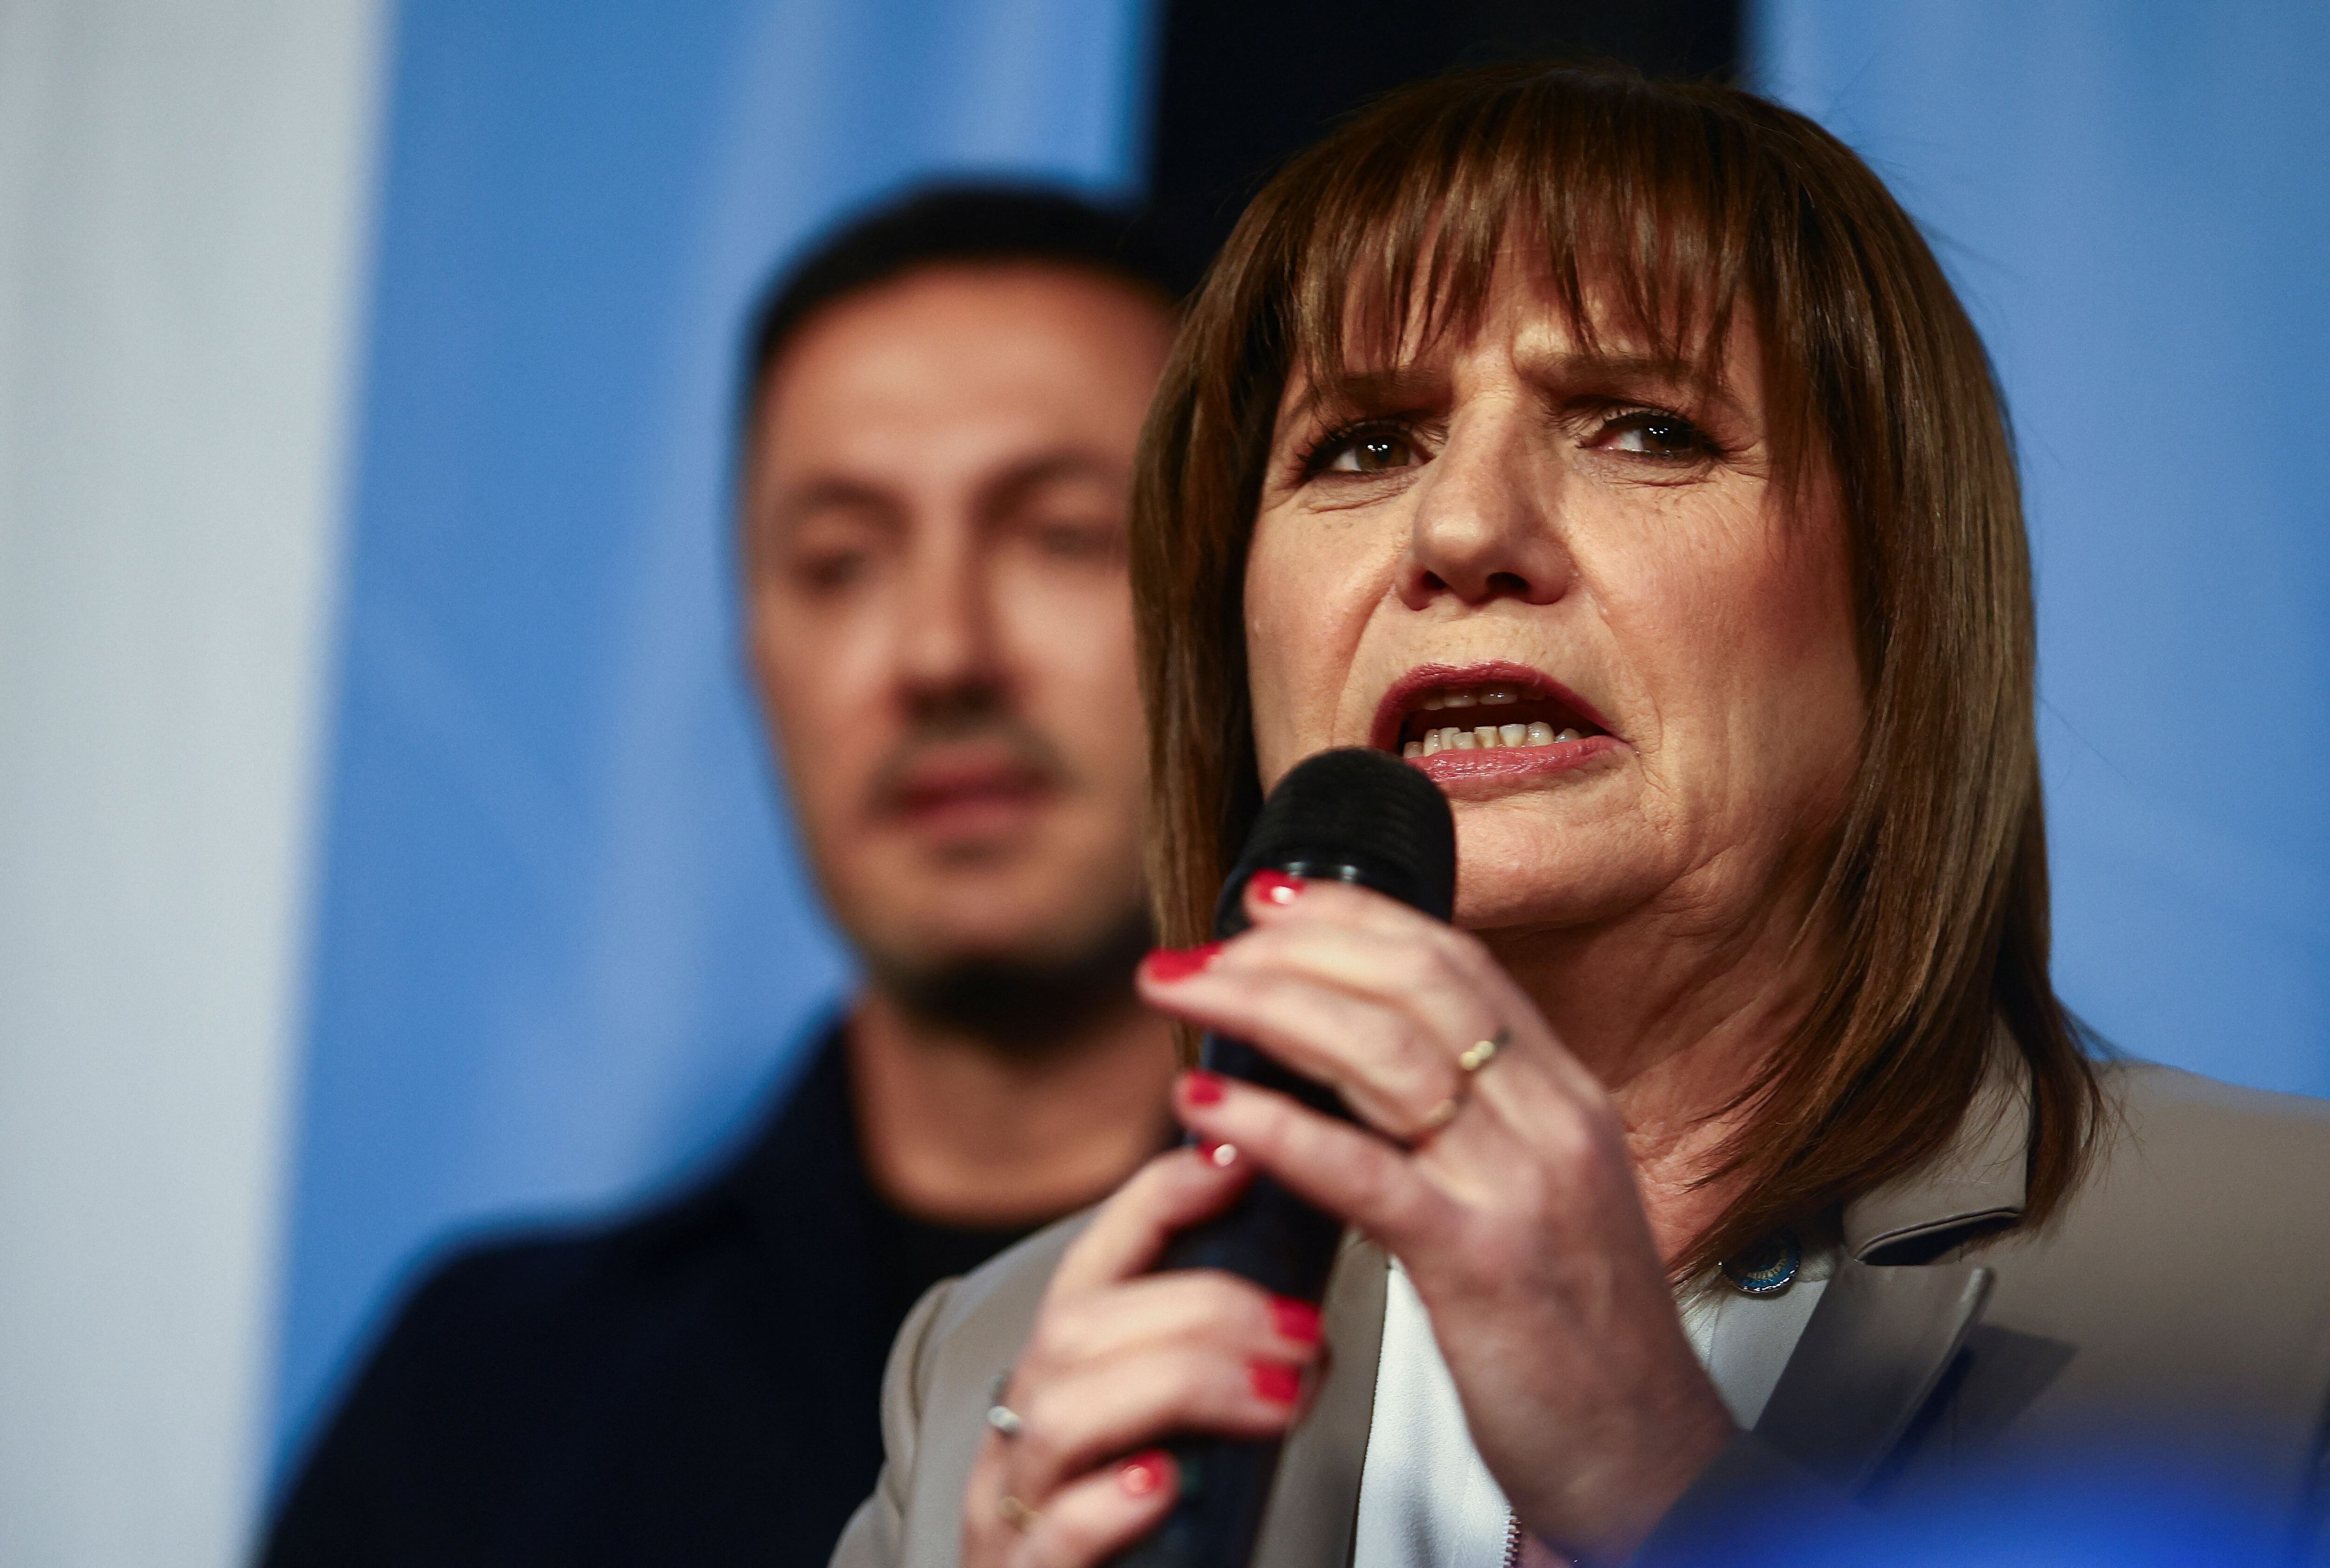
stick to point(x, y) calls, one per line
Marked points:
point(1271, 897)
point(1170, 1192)
point(1291, 904)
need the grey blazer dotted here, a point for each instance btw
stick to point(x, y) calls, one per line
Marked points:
point(2181, 1296)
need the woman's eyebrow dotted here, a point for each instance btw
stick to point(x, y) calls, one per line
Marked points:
point(1398, 386)
point(1571, 368)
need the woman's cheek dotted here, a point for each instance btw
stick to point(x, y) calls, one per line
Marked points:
point(1273, 690)
point(1301, 633)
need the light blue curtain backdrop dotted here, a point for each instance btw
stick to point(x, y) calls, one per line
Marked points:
point(2134, 200)
point(563, 948)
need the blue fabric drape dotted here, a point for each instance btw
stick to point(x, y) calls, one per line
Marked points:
point(2134, 200)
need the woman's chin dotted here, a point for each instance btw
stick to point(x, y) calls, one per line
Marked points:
point(1517, 870)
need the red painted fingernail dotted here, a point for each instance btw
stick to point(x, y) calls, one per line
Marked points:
point(1220, 1155)
point(1275, 886)
point(1298, 1320)
point(1145, 1473)
point(1203, 1088)
point(1179, 963)
point(1275, 1380)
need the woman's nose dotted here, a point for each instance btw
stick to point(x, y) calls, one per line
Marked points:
point(1485, 524)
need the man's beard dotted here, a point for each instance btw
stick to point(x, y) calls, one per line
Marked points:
point(1017, 1004)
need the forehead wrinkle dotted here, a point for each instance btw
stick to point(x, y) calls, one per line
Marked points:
point(1571, 365)
point(1702, 355)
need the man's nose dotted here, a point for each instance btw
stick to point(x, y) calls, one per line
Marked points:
point(946, 631)
point(1486, 524)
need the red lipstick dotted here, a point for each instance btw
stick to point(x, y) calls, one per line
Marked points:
point(1468, 717)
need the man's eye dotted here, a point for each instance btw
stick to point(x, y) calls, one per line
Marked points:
point(1370, 452)
point(1654, 434)
point(827, 570)
point(1080, 542)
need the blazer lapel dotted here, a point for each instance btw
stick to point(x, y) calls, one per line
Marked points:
point(1869, 1358)
point(1315, 1500)
point(1875, 1346)
point(1890, 1321)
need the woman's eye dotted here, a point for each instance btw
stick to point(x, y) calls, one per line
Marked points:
point(1370, 452)
point(1654, 434)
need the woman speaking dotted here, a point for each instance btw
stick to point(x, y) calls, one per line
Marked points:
point(1617, 454)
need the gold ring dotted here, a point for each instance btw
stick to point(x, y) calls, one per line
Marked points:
point(1439, 1117)
point(1017, 1513)
point(1480, 1052)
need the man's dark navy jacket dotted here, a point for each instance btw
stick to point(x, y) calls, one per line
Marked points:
point(697, 1386)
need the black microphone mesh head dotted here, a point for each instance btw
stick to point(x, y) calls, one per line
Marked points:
point(1360, 815)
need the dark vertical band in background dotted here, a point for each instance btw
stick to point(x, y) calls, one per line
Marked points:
point(1244, 83)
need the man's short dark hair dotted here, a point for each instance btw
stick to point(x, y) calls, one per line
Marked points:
point(961, 224)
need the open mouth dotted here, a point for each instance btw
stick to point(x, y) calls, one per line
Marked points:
point(1487, 718)
point(1464, 713)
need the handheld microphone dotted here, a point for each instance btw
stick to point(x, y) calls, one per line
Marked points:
point(1355, 816)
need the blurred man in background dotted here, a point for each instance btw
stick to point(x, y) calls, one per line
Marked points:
point(943, 404)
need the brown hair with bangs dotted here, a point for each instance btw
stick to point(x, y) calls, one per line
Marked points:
point(1678, 204)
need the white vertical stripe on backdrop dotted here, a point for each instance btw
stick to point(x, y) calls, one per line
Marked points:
point(183, 192)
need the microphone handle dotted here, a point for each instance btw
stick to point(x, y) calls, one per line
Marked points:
point(1287, 1247)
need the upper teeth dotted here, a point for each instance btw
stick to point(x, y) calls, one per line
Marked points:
point(1485, 737)
point(1486, 696)
point(1480, 737)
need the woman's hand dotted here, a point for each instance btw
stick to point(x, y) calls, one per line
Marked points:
point(1508, 1194)
point(1119, 1358)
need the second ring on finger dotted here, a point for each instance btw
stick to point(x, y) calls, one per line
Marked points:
point(1002, 1419)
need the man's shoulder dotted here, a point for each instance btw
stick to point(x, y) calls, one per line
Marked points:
point(501, 1301)
point(513, 1338)
point(539, 1388)
point(518, 1279)
point(518, 1288)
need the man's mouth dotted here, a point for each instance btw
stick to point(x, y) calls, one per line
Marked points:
point(1480, 709)
point(982, 785)
point(943, 785)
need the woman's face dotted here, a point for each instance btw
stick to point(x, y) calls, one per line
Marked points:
point(1512, 540)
